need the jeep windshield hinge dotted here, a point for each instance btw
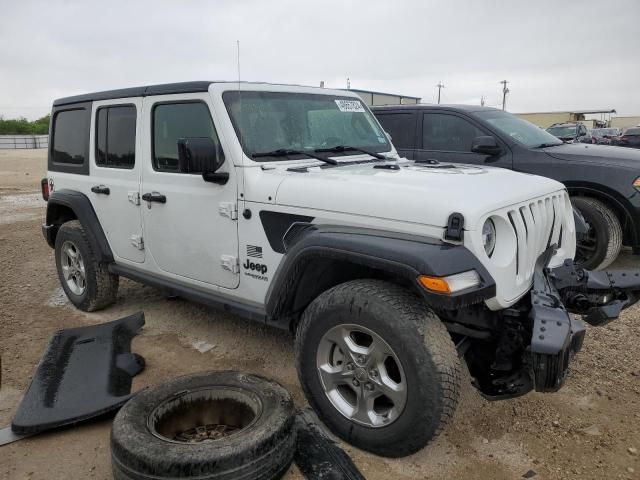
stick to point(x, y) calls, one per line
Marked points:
point(230, 263)
point(228, 209)
point(455, 227)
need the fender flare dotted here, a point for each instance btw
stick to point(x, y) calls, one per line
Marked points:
point(397, 255)
point(60, 201)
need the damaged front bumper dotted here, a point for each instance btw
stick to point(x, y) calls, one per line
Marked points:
point(559, 292)
point(538, 338)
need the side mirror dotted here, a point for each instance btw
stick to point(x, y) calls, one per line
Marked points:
point(200, 155)
point(486, 144)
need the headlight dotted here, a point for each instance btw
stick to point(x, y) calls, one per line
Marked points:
point(452, 283)
point(489, 237)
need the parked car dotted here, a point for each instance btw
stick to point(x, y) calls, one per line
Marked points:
point(288, 205)
point(569, 132)
point(604, 136)
point(604, 182)
point(630, 137)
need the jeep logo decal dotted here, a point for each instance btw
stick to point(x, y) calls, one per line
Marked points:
point(256, 267)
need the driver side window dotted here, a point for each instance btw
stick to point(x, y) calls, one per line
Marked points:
point(173, 121)
point(447, 133)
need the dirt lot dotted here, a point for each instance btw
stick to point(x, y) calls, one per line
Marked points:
point(590, 429)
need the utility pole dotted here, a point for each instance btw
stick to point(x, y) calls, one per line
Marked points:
point(440, 87)
point(482, 101)
point(505, 90)
point(348, 84)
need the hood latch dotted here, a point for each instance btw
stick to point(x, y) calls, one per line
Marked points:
point(455, 227)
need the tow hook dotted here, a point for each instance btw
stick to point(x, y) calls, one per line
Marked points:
point(599, 296)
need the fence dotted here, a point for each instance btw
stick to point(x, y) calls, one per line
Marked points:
point(23, 141)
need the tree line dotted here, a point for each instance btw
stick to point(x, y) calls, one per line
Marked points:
point(22, 126)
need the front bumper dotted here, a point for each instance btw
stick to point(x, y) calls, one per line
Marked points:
point(538, 338)
point(557, 293)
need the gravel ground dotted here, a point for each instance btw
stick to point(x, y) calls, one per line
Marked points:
point(588, 430)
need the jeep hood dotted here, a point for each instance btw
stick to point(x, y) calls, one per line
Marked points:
point(416, 193)
point(601, 154)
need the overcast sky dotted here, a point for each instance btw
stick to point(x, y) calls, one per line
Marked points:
point(556, 55)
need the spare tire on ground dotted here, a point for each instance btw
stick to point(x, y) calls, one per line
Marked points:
point(216, 425)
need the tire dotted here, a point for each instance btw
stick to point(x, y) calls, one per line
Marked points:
point(100, 286)
point(428, 367)
point(152, 436)
point(604, 240)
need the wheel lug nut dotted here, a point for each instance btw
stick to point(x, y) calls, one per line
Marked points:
point(349, 366)
point(356, 383)
point(360, 358)
point(368, 386)
point(373, 372)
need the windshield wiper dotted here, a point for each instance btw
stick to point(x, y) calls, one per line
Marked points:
point(284, 152)
point(348, 148)
point(545, 145)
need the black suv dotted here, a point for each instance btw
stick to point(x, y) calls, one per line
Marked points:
point(604, 182)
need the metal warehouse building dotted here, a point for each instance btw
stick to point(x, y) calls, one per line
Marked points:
point(379, 98)
point(546, 119)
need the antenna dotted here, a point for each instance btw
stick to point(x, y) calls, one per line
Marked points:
point(239, 100)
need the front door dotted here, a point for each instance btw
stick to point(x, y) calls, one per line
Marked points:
point(190, 226)
point(447, 137)
point(115, 156)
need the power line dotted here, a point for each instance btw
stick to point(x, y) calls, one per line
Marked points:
point(505, 90)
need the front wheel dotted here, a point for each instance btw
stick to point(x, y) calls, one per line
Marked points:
point(603, 240)
point(377, 366)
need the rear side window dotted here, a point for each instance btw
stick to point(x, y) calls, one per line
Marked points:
point(116, 136)
point(173, 121)
point(445, 132)
point(69, 130)
point(401, 127)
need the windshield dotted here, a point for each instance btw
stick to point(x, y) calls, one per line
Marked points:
point(563, 132)
point(523, 132)
point(271, 121)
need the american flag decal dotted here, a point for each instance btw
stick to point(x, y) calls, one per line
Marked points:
point(253, 251)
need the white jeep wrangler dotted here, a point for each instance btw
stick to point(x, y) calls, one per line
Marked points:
point(290, 206)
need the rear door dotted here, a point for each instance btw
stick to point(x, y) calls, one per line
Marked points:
point(401, 126)
point(447, 136)
point(115, 174)
point(193, 233)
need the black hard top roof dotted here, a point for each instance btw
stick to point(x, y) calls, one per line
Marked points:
point(422, 106)
point(163, 89)
point(149, 90)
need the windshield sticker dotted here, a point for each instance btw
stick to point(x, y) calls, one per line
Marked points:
point(350, 106)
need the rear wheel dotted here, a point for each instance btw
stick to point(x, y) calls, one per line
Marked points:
point(88, 283)
point(603, 241)
point(378, 366)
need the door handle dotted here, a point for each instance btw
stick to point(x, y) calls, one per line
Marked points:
point(154, 197)
point(101, 189)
